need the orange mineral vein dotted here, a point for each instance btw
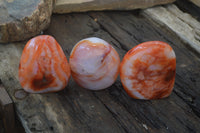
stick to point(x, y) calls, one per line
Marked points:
point(147, 71)
point(43, 66)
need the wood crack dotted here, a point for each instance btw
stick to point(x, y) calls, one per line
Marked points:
point(189, 102)
point(112, 113)
point(123, 47)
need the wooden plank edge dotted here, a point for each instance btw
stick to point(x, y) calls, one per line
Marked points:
point(67, 6)
point(7, 110)
point(196, 2)
point(182, 24)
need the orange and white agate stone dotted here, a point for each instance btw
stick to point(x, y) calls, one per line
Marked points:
point(147, 71)
point(94, 64)
point(43, 66)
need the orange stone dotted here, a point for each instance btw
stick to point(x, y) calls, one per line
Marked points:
point(43, 66)
point(148, 70)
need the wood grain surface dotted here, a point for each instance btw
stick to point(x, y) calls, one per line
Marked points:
point(68, 6)
point(79, 110)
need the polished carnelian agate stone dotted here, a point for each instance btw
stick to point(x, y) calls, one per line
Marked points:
point(43, 66)
point(94, 63)
point(148, 70)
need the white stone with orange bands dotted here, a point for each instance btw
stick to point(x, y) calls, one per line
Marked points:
point(131, 76)
point(94, 63)
point(41, 57)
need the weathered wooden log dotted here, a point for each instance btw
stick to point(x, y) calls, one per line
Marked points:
point(66, 6)
point(79, 110)
point(112, 110)
point(20, 20)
